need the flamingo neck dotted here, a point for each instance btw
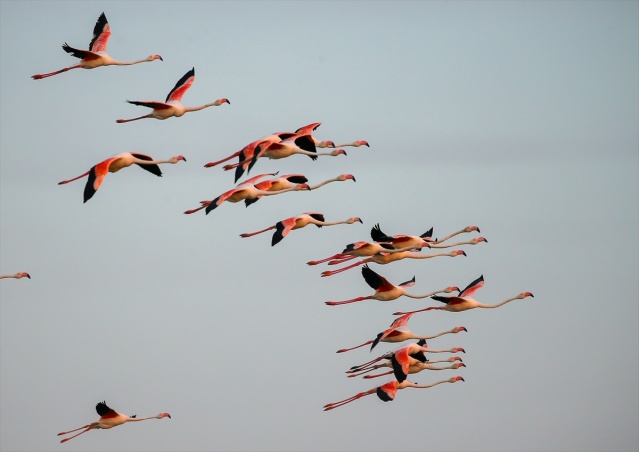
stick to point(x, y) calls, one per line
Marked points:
point(490, 306)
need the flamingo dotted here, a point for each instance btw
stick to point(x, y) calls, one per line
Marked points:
point(114, 164)
point(362, 249)
point(414, 367)
point(406, 240)
point(465, 301)
point(461, 231)
point(109, 419)
point(387, 391)
point(289, 180)
point(401, 358)
point(96, 56)
point(18, 275)
point(282, 228)
point(384, 259)
point(172, 106)
point(399, 332)
point(386, 291)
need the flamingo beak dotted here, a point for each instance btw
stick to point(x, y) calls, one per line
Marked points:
point(160, 58)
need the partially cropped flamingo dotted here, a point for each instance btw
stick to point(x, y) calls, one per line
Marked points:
point(386, 291)
point(399, 332)
point(114, 164)
point(109, 419)
point(172, 105)
point(96, 56)
point(289, 180)
point(387, 391)
point(18, 275)
point(413, 368)
point(282, 228)
point(401, 358)
point(465, 301)
point(362, 249)
point(384, 259)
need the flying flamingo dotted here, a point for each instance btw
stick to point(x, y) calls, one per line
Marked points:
point(289, 180)
point(384, 259)
point(18, 275)
point(172, 105)
point(399, 332)
point(414, 367)
point(114, 164)
point(109, 419)
point(386, 291)
point(282, 228)
point(96, 56)
point(363, 249)
point(465, 301)
point(387, 391)
point(401, 358)
point(407, 240)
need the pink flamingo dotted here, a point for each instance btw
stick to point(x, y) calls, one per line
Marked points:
point(282, 228)
point(465, 301)
point(362, 249)
point(387, 391)
point(172, 105)
point(414, 367)
point(384, 259)
point(407, 240)
point(18, 275)
point(288, 180)
point(109, 419)
point(114, 164)
point(399, 332)
point(96, 56)
point(386, 291)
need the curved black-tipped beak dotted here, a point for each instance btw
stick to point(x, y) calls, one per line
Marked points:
point(354, 179)
point(169, 416)
point(161, 59)
point(184, 158)
point(29, 276)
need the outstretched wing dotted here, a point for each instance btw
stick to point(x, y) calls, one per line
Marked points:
point(104, 411)
point(101, 35)
point(181, 87)
point(82, 54)
point(472, 287)
point(153, 169)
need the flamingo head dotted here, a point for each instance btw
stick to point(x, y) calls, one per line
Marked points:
point(521, 295)
point(458, 349)
point(343, 177)
point(219, 102)
point(302, 187)
point(359, 143)
point(454, 358)
point(454, 379)
point(478, 240)
point(451, 289)
point(338, 152)
point(177, 158)
point(23, 275)
point(354, 220)
point(458, 253)
point(458, 365)
point(161, 415)
point(325, 144)
point(154, 57)
point(457, 329)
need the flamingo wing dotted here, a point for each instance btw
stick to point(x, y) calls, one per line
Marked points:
point(282, 228)
point(316, 216)
point(378, 236)
point(96, 175)
point(82, 54)
point(428, 234)
point(401, 362)
point(101, 35)
point(306, 143)
point(104, 411)
point(181, 87)
point(409, 283)
point(447, 300)
point(374, 280)
point(309, 128)
point(151, 104)
point(386, 392)
point(153, 169)
point(473, 287)
point(296, 178)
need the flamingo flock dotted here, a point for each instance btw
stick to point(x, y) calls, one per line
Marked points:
point(383, 249)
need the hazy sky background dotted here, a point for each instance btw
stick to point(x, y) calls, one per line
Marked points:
point(518, 117)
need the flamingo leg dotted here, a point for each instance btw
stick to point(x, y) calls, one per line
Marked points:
point(120, 121)
point(74, 430)
point(375, 367)
point(353, 348)
point(354, 300)
point(365, 365)
point(41, 76)
point(204, 204)
point(343, 257)
point(420, 310)
point(211, 164)
point(75, 178)
point(390, 372)
point(250, 234)
point(330, 406)
point(343, 269)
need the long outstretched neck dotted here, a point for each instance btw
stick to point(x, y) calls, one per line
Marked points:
point(335, 179)
point(437, 335)
point(201, 107)
point(136, 419)
point(437, 245)
point(41, 76)
point(120, 121)
point(490, 306)
point(450, 236)
point(250, 234)
point(75, 178)
point(410, 295)
point(415, 385)
point(342, 350)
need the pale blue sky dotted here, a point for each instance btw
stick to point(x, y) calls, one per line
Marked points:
point(518, 117)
